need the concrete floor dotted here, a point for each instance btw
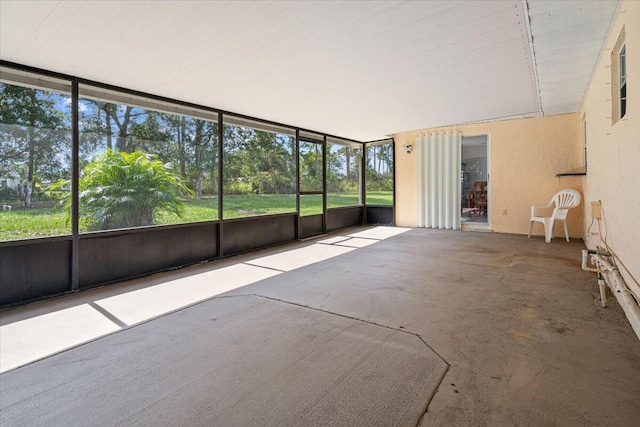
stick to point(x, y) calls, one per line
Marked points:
point(517, 320)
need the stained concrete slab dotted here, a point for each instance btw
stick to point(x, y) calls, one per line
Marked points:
point(236, 361)
point(40, 336)
point(39, 330)
point(519, 322)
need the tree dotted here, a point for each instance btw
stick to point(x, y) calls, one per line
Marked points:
point(258, 162)
point(379, 171)
point(121, 190)
point(34, 138)
point(310, 167)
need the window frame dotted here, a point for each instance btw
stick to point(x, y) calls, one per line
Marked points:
point(622, 71)
point(618, 79)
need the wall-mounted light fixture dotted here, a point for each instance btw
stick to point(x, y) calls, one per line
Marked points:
point(408, 148)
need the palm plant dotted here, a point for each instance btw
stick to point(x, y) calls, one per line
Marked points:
point(122, 190)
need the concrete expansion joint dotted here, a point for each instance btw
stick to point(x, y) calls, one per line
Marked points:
point(441, 379)
point(357, 319)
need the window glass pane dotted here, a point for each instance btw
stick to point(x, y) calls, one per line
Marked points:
point(343, 175)
point(142, 166)
point(259, 172)
point(623, 64)
point(310, 204)
point(35, 161)
point(623, 82)
point(379, 172)
point(310, 166)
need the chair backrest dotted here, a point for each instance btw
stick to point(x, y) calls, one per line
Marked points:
point(565, 200)
point(479, 189)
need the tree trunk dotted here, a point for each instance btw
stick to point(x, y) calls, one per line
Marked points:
point(27, 187)
point(373, 163)
point(198, 189)
point(123, 127)
point(25, 191)
point(197, 142)
point(182, 135)
point(108, 123)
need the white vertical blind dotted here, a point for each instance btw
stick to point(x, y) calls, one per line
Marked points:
point(439, 157)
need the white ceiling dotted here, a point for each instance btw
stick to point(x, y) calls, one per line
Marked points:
point(357, 69)
point(567, 39)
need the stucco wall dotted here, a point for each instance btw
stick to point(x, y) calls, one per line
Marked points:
point(613, 152)
point(525, 156)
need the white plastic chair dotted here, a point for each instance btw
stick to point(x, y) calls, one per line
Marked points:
point(563, 201)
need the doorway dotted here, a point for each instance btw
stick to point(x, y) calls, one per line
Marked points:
point(312, 200)
point(474, 177)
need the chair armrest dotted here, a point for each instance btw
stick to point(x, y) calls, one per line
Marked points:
point(534, 207)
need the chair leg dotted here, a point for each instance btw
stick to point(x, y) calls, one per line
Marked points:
point(566, 232)
point(548, 231)
point(530, 229)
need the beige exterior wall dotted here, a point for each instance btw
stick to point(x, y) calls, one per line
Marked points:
point(525, 156)
point(614, 150)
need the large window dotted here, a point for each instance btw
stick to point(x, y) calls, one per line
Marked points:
point(35, 156)
point(344, 162)
point(145, 162)
point(141, 165)
point(379, 173)
point(619, 79)
point(259, 169)
point(623, 80)
point(311, 176)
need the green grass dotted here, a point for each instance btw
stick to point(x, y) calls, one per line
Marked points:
point(204, 209)
point(258, 204)
point(380, 198)
point(47, 220)
point(30, 223)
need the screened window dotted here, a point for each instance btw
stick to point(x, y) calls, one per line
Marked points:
point(379, 174)
point(584, 141)
point(259, 169)
point(35, 156)
point(623, 81)
point(619, 79)
point(343, 175)
point(144, 163)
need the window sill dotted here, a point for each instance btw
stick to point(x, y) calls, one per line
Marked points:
point(575, 172)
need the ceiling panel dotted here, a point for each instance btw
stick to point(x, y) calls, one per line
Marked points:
point(356, 69)
point(567, 38)
point(19, 20)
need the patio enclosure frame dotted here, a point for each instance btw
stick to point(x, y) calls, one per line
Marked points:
point(38, 268)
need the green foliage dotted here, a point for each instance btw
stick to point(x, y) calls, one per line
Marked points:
point(379, 171)
point(258, 162)
point(310, 166)
point(121, 190)
point(8, 194)
point(377, 182)
point(34, 139)
point(238, 187)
